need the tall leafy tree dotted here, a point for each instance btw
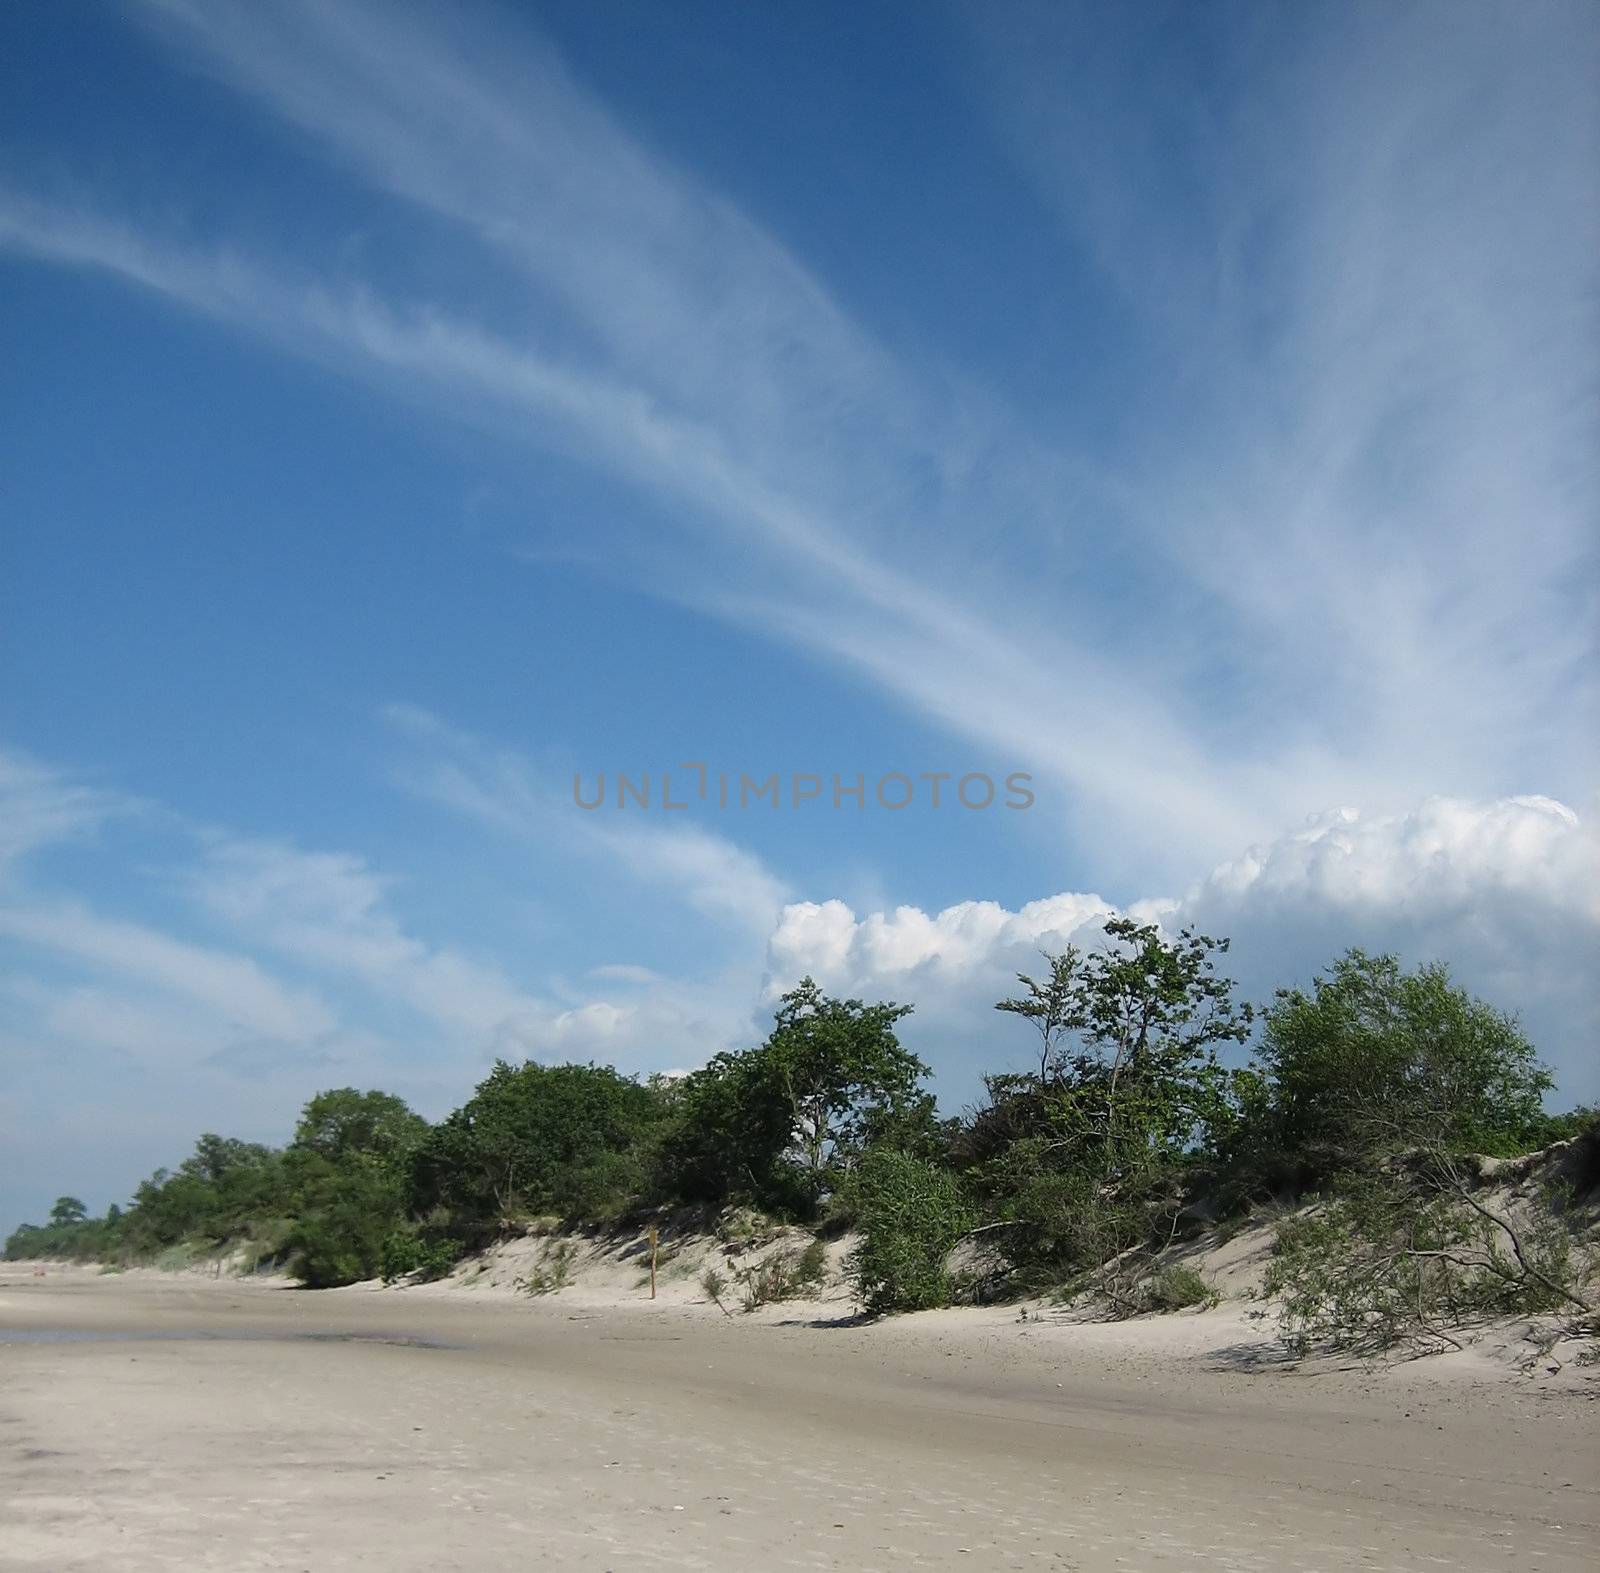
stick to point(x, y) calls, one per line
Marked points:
point(1129, 1035)
point(1375, 1057)
point(1055, 1006)
point(781, 1123)
point(342, 1122)
point(532, 1137)
point(1084, 1156)
point(841, 1071)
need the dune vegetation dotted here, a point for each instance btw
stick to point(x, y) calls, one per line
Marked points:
point(1156, 1106)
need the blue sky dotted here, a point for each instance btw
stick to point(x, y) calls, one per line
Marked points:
point(407, 408)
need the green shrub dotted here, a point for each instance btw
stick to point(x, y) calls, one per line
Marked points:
point(1395, 1260)
point(746, 1229)
point(264, 1248)
point(910, 1214)
point(812, 1268)
point(785, 1275)
point(349, 1209)
point(602, 1189)
point(406, 1253)
point(329, 1252)
point(1177, 1288)
point(1574, 1125)
point(1073, 1222)
point(1376, 1060)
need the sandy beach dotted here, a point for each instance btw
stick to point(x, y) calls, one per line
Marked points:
point(152, 1421)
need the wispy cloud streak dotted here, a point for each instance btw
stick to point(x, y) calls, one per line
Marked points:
point(1350, 514)
point(499, 788)
point(1359, 242)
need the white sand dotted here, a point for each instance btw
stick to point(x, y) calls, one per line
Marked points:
point(594, 1429)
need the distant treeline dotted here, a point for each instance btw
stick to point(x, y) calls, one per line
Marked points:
point(1124, 1118)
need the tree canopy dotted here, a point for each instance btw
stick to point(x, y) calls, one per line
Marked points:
point(535, 1138)
point(1375, 1057)
point(342, 1122)
point(780, 1123)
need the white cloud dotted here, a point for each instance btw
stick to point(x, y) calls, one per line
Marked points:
point(216, 1034)
point(1505, 891)
point(908, 946)
point(145, 1003)
point(1446, 855)
point(153, 1032)
point(882, 513)
point(625, 972)
point(161, 1000)
point(330, 913)
point(1364, 272)
point(326, 912)
point(233, 988)
point(40, 806)
point(500, 788)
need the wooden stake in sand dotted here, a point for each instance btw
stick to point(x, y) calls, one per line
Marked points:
point(652, 1261)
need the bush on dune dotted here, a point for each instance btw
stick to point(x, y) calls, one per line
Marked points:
point(910, 1214)
point(1127, 1135)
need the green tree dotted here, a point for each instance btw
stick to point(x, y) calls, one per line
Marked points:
point(67, 1210)
point(1055, 1006)
point(1153, 1011)
point(726, 1134)
point(1084, 1157)
point(535, 1138)
point(781, 1123)
point(1376, 1059)
point(341, 1122)
point(1131, 1031)
point(347, 1172)
point(25, 1243)
point(841, 1072)
point(216, 1157)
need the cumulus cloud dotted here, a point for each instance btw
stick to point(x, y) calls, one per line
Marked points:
point(909, 946)
point(1507, 891)
point(1446, 853)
